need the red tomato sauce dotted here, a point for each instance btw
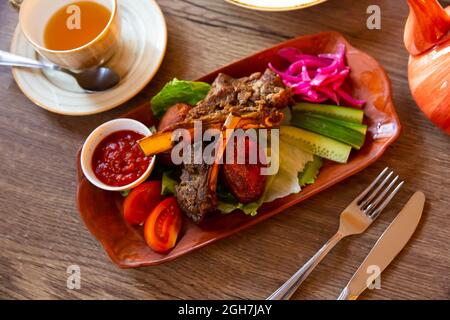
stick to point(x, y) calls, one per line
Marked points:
point(118, 160)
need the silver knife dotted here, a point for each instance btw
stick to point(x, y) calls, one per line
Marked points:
point(391, 242)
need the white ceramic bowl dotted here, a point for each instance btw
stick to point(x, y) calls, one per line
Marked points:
point(101, 133)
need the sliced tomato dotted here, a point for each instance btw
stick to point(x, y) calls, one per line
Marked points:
point(141, 201)
point(163, 225)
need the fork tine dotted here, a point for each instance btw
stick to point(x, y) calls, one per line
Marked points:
point(377, 211)
point(374, 193)
point(372, 205)
point(369, 188)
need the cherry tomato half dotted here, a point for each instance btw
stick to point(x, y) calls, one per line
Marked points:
point(163, 225)
point(141, 201)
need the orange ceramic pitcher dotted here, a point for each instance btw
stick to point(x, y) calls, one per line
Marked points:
point(427, 38)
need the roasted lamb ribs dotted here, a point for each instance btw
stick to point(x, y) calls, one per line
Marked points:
point(256, 100)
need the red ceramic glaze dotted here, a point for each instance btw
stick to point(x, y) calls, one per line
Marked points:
point(102, 211)
point(427, 25)
point(427, 39)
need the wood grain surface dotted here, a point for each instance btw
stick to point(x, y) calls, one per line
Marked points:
point(41, 231)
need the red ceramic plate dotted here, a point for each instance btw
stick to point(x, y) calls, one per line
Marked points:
point(102, 211)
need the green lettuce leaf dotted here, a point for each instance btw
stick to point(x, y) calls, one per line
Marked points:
point(309, 175)
point(250, 209)
point(125, 193)
point(179, 91)
point(228, 203)
point(168, 184)
point(293, 160)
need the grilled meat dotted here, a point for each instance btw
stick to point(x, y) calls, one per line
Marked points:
point(175, 114)
point(259, 96)
point(257, 99)
point(193, 194)
point(256, 93)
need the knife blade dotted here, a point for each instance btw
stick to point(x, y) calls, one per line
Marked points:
point(388, 246)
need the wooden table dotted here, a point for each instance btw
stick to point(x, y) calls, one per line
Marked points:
point(42, 234)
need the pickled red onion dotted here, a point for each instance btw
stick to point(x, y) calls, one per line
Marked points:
point(317, 78)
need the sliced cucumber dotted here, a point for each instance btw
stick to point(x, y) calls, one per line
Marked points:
point(342, 113)
point(317, 144)
point(362, 128)
point(328, 128)
point(311, 171)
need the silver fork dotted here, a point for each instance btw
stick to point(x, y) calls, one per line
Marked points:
point(355, 219)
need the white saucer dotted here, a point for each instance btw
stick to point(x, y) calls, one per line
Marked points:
point(275, 5)
point(144, 41)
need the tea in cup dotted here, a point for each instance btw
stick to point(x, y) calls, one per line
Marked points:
point(72, 34)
